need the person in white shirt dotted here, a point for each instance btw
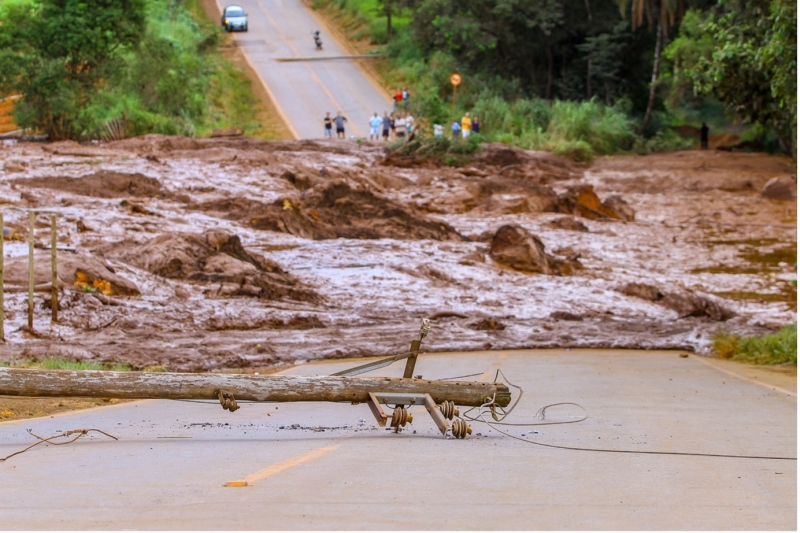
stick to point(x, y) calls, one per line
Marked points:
point(400, 127)
point(438, 130)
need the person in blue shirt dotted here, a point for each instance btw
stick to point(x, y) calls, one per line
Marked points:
point(456, 127)
point(375, 123)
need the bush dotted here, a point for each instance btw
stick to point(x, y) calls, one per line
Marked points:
point(575, 150)
point(772, 349)
point(664, 141)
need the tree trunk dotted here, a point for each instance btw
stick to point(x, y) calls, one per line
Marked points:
point(270, 388)
point(589, 61)
point(549, 72)
point(660, 30)
point(388, 20)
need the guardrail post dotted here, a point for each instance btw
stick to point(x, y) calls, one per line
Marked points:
point(31, 218)
point(54, 267)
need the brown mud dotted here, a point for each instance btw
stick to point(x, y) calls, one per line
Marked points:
point(204, 254)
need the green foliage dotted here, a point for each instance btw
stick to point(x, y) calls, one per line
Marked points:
point(60, 54)
point(753, 66)
point(165, 77)
point(772, 349)
point(665, 140)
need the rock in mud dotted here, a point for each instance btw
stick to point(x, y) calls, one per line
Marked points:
point(79, 270)
point(487, 324)
point(780, 188)
point(216, 259)
point(582, 201)
point(101, 184)
point(11, 166)
point(516, 247)
point(618, 205)
point(683, 301)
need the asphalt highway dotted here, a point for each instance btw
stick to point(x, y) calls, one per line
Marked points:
point(279, 36)
point(186, 465)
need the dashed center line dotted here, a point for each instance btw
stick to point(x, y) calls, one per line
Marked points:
point(280, 467)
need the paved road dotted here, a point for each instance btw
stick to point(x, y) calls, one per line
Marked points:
point(169, 468)
point(305, 90)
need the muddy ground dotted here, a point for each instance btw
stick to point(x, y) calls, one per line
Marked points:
point(203, 254)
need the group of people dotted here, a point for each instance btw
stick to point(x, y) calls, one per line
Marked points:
point(460, 129)
point(389, 126)
point(399, 125)
point(401, 99)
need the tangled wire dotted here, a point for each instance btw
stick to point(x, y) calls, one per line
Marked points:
point(74, 433)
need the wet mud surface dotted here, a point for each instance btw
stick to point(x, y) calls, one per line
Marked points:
point(202, 254)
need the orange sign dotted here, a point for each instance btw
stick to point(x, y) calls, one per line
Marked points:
point(455, 79)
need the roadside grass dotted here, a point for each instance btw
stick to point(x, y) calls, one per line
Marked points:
point(771, 349)
point(57, 363)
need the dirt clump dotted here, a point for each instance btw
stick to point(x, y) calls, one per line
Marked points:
point(582, 201)
point(337, 210)
point(516, 247)
point(101, 184)
point(683, 301)
point(780, 188)
point(568, 223)
point(216, 259)
point(565, 315)
point(487, 324)
point(79, 270)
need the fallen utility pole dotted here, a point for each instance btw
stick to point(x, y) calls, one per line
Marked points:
point(268, 388)
point(439, 398)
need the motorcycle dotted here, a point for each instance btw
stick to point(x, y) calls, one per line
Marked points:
point(317, 40)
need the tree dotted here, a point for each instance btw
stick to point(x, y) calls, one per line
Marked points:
point(753, 67)
point(60, 55)
point(665, 12)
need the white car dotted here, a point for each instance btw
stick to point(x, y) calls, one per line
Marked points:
point(234, 18)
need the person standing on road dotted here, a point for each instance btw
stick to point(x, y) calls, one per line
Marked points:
point(476, 125)
point(387, 125)
point(406, 96)
point(393, 125)
point(466, 125)
point(456, 127)
point(340, 120)
point(328, 121)
point(398, 97)
point(704, 137)
point(400, 127)
point(375, 127)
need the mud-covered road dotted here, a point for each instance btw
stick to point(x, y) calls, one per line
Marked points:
point(209, 253)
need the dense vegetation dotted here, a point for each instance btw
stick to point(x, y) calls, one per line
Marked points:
point(591, 76)
point(108, 68)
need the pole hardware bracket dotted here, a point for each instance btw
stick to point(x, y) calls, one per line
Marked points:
point(459, 428)
point(227, 400)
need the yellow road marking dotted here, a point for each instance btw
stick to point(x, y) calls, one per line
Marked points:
point(280, 467)
point(314, 76)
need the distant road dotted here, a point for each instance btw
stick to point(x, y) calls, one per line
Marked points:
point(304, 91)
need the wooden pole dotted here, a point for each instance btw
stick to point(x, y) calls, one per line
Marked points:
point(180, 386)
point(31, 217)
point(54, 268)
point(2, 282)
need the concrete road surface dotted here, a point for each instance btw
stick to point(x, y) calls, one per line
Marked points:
point(304, 91)
point(328, 466)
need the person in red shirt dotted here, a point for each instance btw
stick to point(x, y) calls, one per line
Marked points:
point(398, 97)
